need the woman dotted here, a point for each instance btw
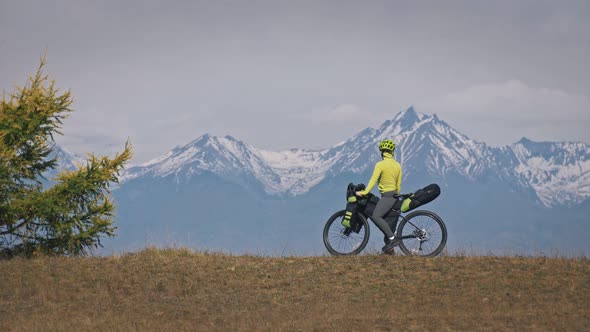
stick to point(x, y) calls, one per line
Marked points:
point(389, 174)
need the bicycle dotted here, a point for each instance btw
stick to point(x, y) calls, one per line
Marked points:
point(422, 233)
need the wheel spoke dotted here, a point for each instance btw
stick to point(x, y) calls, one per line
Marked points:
point(340, 240)
point(430, 233)
point(345, 244)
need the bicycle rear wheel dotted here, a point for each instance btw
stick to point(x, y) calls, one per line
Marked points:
point(423, 233)
point(340, 240)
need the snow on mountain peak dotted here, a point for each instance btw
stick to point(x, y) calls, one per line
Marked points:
point(298, 170)
point(558, 172)
point(66, 159)
point(409, 116)
point(404, 121)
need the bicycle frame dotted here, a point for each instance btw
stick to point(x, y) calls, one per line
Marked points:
point(399, 216)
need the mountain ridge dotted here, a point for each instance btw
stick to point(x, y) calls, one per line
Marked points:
point(558, 172)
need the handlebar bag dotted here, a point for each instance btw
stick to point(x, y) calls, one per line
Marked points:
point(350, 214)
point(421, 197)
point(352, 207)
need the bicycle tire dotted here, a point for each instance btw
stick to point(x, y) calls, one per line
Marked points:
point(409, 246)
point(334, 235)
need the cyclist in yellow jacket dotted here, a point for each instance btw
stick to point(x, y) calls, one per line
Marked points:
point(389, 174)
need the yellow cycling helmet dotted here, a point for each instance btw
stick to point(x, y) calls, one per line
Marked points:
point(387, 145)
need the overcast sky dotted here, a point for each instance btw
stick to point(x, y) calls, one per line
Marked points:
point(283, 74)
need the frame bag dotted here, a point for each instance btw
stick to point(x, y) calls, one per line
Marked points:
point(371, 204)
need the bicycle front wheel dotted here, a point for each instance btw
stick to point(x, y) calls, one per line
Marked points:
point(340, 240)
point(423, 233)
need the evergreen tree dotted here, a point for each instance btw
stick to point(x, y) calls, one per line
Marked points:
point(70, 217)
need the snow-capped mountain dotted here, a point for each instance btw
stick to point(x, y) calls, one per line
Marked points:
point(224, 156)
point(422, 141)
point(559, 173)
point(66, 160)
point(292, 171)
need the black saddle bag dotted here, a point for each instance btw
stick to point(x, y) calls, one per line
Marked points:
point(420, 197)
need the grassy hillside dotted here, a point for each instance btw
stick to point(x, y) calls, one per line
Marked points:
point(181, 290)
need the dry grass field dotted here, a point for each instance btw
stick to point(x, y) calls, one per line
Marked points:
point(180, 290)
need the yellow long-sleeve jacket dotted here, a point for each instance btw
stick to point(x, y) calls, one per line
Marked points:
point(389, 173)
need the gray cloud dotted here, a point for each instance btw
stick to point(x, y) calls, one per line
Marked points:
point(163, 73)
point(501, 113)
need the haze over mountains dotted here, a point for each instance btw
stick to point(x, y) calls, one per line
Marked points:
point(220, 193)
